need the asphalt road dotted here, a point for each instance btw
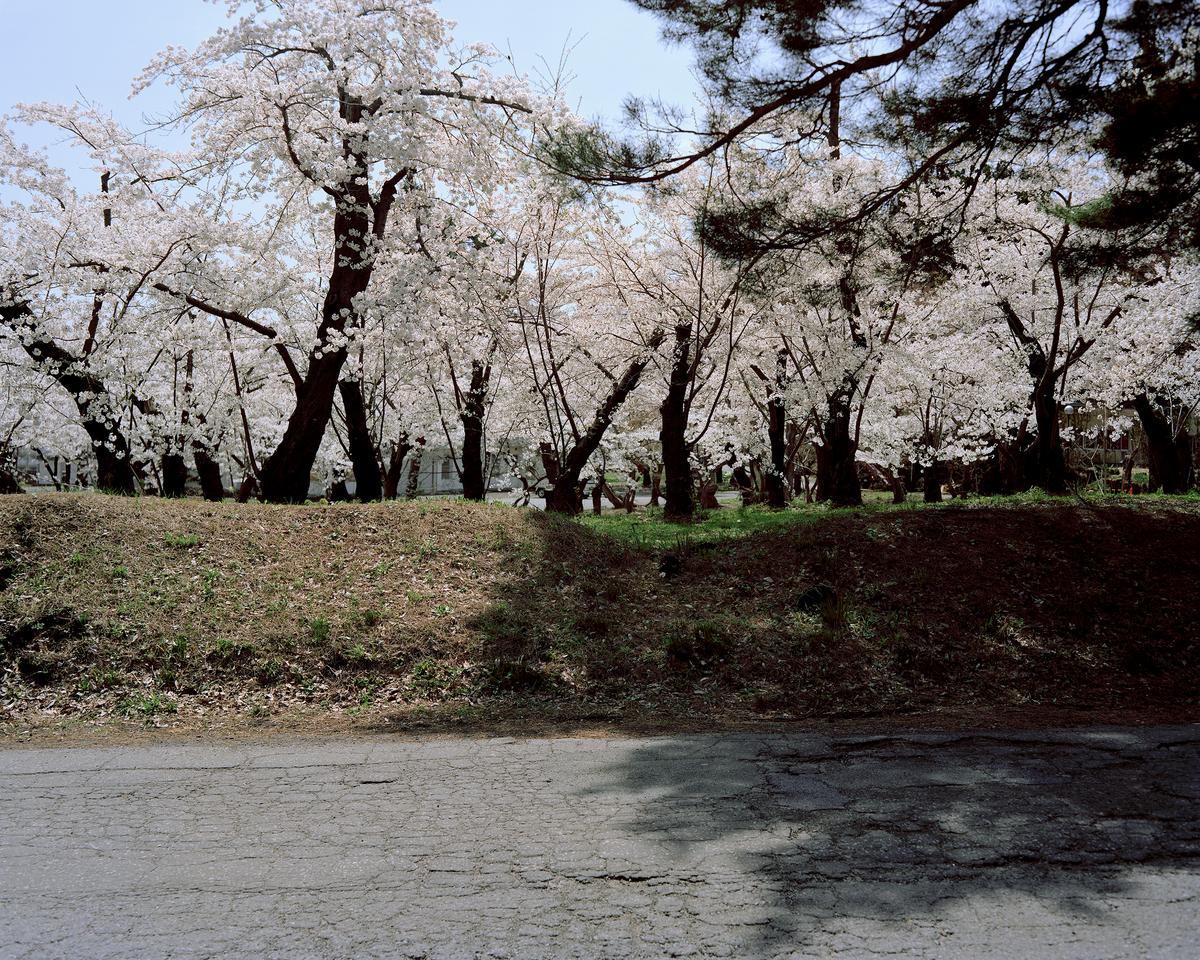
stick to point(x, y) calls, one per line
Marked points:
point(1024, 845)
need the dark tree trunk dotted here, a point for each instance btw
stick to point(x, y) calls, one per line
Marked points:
point(114, 465)
point(1046, 467)
point(708, 494)
point(247, 489)
point(212, 487)
point(676, 454)
point(893, 481)
point(564, 498)
point(473, 408)
point(837, 468)
point(932, 481)
point(209, 471)
point(287, 471)
point(473, 485)
point(1042, 461)
point(284, 477)
point(1170, 454)
point(566, 491)
point(597, 498)
point(174, 475)
point(8, 480)
point(776, 479)
point(656, 485)
point(395, 469)
point(368, 477)
point(628, 502)
point(1003, 473)
point(837, 455)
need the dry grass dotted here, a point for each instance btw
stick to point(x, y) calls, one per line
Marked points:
point(173, 611)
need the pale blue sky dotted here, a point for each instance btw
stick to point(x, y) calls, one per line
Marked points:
point(56, 50)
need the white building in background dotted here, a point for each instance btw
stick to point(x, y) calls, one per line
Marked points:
point(438, 474)
point(46, 472)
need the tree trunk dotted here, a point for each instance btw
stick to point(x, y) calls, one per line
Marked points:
point(1040, 460)
point(565, 493)
point(174, 475)
point(628, 502)
point(288, 470)
point(564, 498)
point(745, 485)
point(395, 469)
point(474, 407)
point(212, 487)
point(473, 484)
point(114, 464)
point(247, 489)
point(708, 494)
point(893, 481)
point(1170, 454)
point(931, 480)
point(114, 467)
point(676, 455)
point(368, 477)
point(656, 485)
point(837, 469)
point(209, 471)
point(776, 479)
point(1046, 467)
point(1003, 473)
point(285, 475)
point(8, 476)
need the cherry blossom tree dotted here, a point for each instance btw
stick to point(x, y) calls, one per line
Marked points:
point(318, 120)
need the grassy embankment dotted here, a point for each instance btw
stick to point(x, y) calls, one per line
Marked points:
point(184, 611)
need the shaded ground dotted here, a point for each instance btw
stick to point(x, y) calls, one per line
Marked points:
point(977, 844)
point(451, 613)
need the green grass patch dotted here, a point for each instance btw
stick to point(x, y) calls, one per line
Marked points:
point(646, 529)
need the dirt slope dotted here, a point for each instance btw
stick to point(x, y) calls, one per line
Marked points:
point(177, 610)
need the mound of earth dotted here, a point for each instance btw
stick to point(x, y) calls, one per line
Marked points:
point(177, 610)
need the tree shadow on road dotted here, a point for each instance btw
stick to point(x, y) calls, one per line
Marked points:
point(798, 840)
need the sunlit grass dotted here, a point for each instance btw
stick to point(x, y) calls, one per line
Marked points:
point(647, 529)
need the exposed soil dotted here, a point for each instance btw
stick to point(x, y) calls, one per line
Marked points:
point(444, 615)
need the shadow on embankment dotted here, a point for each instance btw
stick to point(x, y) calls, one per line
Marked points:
point(856, 615)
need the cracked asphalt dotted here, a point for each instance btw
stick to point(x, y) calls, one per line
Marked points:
point(1082, 844)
